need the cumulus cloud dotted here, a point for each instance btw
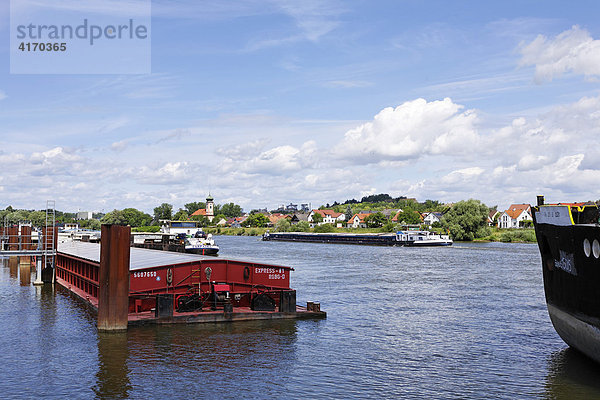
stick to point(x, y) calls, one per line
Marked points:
point(168, 173)
point(573, 50)
point(411, 130)
point(251, 159)
point(119, 146)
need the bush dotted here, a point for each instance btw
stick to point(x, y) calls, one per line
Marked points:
point(302, 226)
point(518, 236)
point(324, 228)
point(388, 227)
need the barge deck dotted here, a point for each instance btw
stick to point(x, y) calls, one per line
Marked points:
point(172, 288)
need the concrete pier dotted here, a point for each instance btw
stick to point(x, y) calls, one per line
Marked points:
point(113, 277)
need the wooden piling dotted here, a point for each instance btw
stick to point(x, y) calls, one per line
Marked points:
point(113, 278)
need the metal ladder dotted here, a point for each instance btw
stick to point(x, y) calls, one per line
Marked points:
point(49, 233)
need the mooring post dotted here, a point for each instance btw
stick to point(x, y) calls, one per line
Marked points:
point(113, 278)
point(38, 271)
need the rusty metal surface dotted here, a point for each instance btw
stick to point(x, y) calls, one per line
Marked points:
point(113, 278)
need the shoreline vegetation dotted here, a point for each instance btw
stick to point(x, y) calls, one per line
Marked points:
point(465, 220)
point(521, 235)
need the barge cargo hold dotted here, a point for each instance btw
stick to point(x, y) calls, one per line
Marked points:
point(169, 287)
point(401, 238)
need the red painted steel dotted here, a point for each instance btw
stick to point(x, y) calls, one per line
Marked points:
point(243, 278)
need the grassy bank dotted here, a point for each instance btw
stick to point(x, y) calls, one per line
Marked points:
point(525, 235)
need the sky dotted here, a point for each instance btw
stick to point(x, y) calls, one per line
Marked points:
point(264, 103)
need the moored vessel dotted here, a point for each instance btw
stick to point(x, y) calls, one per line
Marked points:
point(400, 238)
point(568, 236)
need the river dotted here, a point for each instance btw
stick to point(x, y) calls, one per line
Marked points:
point(466, 321)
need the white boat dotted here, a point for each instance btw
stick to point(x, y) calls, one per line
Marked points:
point(422, 238)
point(200, 243)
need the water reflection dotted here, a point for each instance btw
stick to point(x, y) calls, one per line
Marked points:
point(13, 266)
point(571, 375)
point(219, 353)
point(25, 274)
point(112, 378)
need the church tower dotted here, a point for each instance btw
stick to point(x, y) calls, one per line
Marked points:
point(210, 208)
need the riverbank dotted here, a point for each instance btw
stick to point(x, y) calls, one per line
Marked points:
point(525, 235)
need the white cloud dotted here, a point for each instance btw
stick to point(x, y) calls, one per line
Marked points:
point(411, 130)
point(119, 146)
point(347, 84)
point(2, 95)
point(573, 50)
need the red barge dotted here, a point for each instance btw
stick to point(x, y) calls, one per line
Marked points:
point(168, 287)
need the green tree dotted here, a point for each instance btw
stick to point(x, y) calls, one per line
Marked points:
point(219, 217)
point(92, 224)
point(181, 215)
point(18, 216)
point(256, 220)
point(194, 206)
point(349, 212)
point(164, 211)
point(317, 218)
point(37, 218)
point(202, 220)
point(115, 217)
point(409, 217)
point(283, 225)
point(231, 210)
point(302, 226)
point(389, 226)
point(467, 220)
point(375, 220)
point(324, 228)
point(135, 217)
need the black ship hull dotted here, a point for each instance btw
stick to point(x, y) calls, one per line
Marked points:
point(569, 243)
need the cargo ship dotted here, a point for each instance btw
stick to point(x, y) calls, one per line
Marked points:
point(568, 236)
point(400, 238)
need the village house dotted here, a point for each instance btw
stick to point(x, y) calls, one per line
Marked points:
point(492, 216)
point(515, 216)
point(432, 217)
point(357, 221)
point(236, 222)
point(298, 217)
point(274, 218)
point(329, 217)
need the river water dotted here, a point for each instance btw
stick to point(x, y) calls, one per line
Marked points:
point(467, 321)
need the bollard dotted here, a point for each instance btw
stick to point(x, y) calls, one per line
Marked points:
point(113, 278)
point(309, 306)
point(316, 306)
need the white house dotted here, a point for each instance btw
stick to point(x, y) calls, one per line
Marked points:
point(432, 217)
point(515, 216)
point(329, 217)
point(357, 221)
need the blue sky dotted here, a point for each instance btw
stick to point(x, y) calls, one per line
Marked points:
point(270, 102)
